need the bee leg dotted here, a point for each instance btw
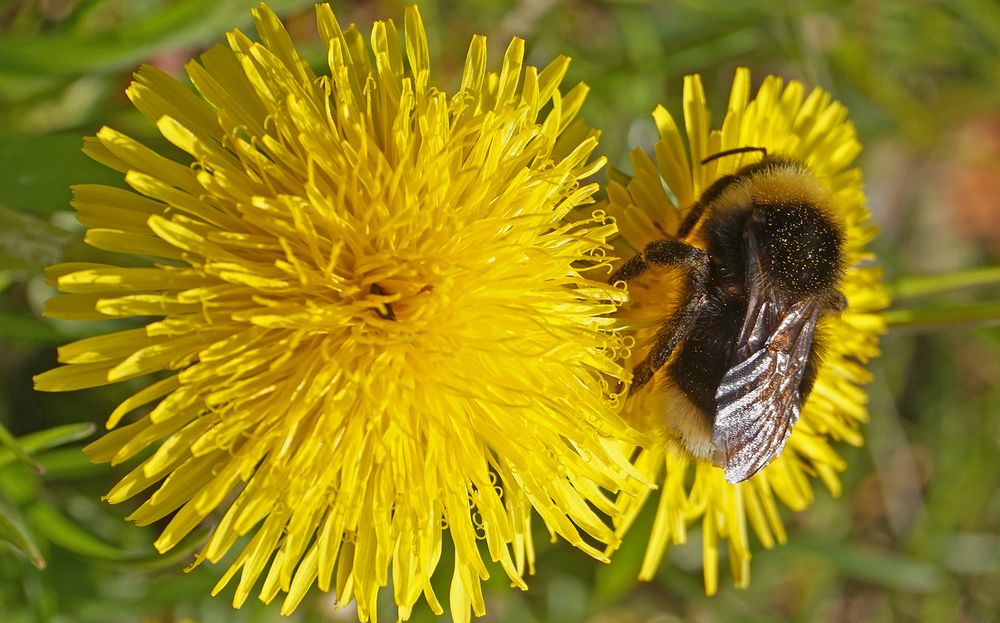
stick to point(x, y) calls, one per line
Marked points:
point(667, 340)
point(659, 253)
point(631, 269)
point(641, 375)
point(674, 253)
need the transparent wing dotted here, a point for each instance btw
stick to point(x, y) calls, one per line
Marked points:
point(758, 399)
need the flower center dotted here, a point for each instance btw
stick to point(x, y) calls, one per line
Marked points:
point(400, 297)
point(386, 312)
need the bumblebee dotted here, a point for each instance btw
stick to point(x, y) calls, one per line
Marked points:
point(762, 254)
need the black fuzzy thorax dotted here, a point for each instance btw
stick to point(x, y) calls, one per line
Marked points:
point(800, 248)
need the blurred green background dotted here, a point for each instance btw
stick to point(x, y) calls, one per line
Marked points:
point(915, 536)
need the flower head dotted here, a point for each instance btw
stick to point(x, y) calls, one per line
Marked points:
point(376, 325)
point(812, 129)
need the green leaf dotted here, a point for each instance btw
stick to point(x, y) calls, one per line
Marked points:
point(932, 285)
point(171, 26)
point(25, 327)
point(15, 536)
point(883, 568)
point(28, 243)
point(68, 463)
point(36, 172)
point(15, 449)
point(983, 314)
point(49, 438)
point(59, 529)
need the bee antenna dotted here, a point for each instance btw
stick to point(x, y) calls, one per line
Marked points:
point(735, 150)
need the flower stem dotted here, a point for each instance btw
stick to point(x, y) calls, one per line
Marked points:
point(929, 285)
point(977, 313)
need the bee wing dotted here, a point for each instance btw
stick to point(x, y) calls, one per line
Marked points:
point(757, 402)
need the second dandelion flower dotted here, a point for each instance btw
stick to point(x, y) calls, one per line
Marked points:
point(753, 309)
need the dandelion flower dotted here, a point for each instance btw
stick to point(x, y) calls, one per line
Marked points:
point(812, 129)
point(376, 324)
